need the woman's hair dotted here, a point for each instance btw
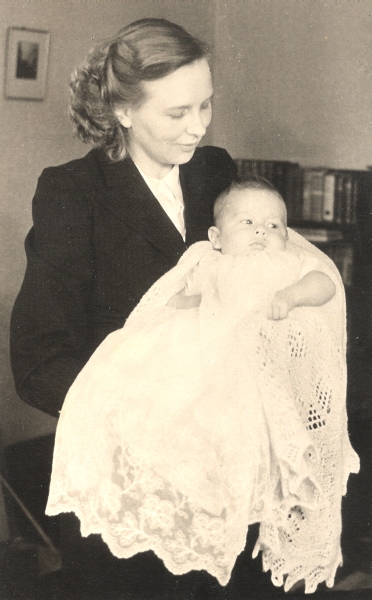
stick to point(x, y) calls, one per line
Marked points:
point(252, 182)
point(113, 73)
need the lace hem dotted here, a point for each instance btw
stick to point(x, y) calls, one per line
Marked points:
point(288, 571)
point(200, 546)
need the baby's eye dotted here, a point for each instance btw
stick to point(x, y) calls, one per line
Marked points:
point(273, 225)
point(247, 221)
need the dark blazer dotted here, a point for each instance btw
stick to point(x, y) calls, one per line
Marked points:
point(100, 239)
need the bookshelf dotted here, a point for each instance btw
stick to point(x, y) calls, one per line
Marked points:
point(331, 208)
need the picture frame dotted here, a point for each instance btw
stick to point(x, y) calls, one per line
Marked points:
point(26, 63)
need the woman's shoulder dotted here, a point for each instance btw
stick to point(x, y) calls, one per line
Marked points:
point(67, 189)
point(211, 151)
point(212, 158)
point(85, 169)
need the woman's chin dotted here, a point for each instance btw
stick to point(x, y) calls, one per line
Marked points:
point(185, 153)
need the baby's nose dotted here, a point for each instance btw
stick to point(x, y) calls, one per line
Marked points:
point(260, 231)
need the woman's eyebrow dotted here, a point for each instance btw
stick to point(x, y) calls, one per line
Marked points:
point(183, 106)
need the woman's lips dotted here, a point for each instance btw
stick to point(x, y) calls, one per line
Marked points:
point(189, 147)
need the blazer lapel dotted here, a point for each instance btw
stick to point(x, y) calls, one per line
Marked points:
point(198, 205)
point(130, 199)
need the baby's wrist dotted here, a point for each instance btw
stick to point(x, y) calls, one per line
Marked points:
point(295, 297)
point(292, 297)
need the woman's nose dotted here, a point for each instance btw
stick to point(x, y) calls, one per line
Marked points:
point(197, 124)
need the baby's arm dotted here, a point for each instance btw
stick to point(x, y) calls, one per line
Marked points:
point(189, 296)
point(314, 289)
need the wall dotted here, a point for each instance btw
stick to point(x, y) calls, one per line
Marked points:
point(38, 134)
point(293, 80)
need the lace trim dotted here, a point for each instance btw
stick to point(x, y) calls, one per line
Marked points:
point(141, 511)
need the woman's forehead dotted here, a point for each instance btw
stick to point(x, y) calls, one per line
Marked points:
point(180, 87)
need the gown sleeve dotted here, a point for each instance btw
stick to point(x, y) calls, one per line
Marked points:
point(49, 328)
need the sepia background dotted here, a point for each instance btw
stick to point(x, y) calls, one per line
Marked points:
point(292, 82)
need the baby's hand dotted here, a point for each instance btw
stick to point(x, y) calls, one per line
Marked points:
point(282, 304)
point(181, 301)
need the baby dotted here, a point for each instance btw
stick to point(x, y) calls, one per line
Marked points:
point(202, 415)
point(251, 217)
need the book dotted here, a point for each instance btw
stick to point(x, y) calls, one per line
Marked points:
point(292, 191)
point(320, 235)
point(343, 257)
point(313, 193)
point(329, 196)
point(329, 207)
point(339, 198)
point(348, 198)
point(306, 194)
point(354, 203)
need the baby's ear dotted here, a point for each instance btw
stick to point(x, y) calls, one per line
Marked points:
point(214, 237)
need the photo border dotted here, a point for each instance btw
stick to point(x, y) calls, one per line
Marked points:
point(20, 88)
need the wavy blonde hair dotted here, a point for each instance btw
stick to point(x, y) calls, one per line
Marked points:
point(113, 72)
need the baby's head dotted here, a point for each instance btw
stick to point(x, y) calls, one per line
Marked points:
point(249, 216)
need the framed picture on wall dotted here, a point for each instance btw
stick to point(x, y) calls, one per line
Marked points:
point(26, 63)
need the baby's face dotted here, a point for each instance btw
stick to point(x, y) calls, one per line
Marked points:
point(251, 220)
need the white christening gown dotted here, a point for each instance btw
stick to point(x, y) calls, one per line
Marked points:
point(187, 425)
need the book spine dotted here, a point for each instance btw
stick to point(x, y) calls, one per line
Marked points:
point(329, 196)
point(268, 171)
point(249, 168)
point(239, 166)
point(339, 199)
point(313, 194)
point(306, 195)
point(260, 168)
point(245, 167)
point(348, 199)
point(317, 195)
point(298, 208)
point(354, 203)
point(283, 182)
point(347, 265)
point(343, 259)
point(278, 176)
point(292, 191)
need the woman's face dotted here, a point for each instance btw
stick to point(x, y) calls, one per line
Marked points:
point(166, 128)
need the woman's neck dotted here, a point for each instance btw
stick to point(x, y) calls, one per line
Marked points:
point(149, 167)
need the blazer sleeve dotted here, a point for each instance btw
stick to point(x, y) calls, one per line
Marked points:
point(49, 326)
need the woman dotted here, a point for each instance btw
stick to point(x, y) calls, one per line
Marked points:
point(108, 225)
point(101, 236)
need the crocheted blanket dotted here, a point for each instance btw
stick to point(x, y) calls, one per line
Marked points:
point(271, 428)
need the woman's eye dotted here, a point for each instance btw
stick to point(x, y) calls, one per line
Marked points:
point(206, 105)
point(273, 225)
point(177, 115)
point(247, 221)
